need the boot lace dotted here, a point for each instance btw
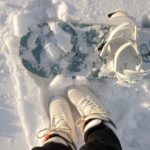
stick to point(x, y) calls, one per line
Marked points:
point(58, 124)
point(88, 108)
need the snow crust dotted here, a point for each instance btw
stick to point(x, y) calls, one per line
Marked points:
point(24, 97)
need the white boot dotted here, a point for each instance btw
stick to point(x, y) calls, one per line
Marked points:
point(89, 107)
point(62, 128)
point(126, 49)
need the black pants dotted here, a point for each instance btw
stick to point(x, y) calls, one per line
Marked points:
point(98, 138)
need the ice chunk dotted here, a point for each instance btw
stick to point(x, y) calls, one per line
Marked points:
point(66, 11)
point(53, 51)
point(60, 82)
point(62, 11)
point(63, 38)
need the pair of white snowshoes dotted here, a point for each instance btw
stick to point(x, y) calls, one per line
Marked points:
point(126, 52)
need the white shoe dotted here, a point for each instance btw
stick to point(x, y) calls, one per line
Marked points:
point(62, 129)
point(123, 30)
point(89, 107)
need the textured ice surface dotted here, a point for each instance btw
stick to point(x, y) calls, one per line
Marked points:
point(24, 98)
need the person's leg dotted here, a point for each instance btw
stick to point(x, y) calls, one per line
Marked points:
point(101, 137)
point(53, 146)
point(62, 134)
point(95, 121)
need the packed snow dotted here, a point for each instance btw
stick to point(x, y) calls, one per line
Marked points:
point(24, 97)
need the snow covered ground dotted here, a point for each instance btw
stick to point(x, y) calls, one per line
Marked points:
point(24, 97)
